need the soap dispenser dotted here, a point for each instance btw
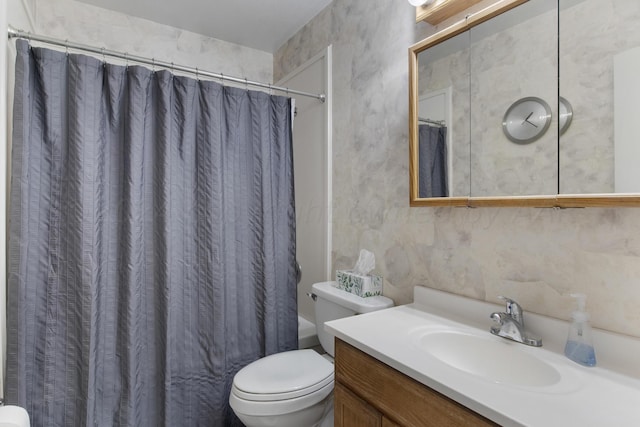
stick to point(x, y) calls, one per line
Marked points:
point(579, 347)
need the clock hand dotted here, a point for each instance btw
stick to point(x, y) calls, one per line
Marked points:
point(527, 120)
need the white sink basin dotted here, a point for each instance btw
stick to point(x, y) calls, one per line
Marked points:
point(489, 357)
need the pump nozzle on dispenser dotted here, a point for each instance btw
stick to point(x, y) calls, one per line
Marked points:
point(581, 300)
point(579, 347)
point(580, 313)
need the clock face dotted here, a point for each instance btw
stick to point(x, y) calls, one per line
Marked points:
point(526, 120)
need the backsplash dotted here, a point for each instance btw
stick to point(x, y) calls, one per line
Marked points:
point(536, 256)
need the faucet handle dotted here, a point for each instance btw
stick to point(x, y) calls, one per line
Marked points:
point(513, 309)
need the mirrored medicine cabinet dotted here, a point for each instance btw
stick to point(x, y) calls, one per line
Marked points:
point(528, 103)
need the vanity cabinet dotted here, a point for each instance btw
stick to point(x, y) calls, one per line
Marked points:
point(370, 393)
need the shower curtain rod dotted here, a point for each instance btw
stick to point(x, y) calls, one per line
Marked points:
point(13, 33)
point(432, 122)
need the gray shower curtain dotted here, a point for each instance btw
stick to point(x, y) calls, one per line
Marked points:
point(152, 242)
point(432, 161)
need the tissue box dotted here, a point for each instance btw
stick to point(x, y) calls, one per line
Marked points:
point(363, 286)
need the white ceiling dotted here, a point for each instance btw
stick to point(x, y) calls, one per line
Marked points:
point(263, 25)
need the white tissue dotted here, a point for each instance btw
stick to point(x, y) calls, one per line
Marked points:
point(366, 262)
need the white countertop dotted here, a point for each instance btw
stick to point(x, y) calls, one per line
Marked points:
point(583, 397)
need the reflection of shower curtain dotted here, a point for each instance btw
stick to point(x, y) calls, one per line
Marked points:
point(432, 161)
point(152, 242)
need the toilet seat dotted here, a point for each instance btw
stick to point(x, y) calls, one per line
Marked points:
point(282, 383)
point(283, 376)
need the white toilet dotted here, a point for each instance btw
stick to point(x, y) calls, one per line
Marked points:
point(295, 388)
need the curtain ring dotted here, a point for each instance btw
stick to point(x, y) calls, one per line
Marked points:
point(153, 64)
point(197, 74)
point(270, 89)
point(246, 84)
point(126, 60)
point(222, 79)
point(66, 46)
point(104, 59)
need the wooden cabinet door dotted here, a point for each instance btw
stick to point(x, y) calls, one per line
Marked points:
point(351, 411)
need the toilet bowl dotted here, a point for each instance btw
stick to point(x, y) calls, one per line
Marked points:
point(295, 388)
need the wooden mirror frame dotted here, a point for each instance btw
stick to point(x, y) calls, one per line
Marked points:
point(558, 200)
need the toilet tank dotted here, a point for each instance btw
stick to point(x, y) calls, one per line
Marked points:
point(332, 303)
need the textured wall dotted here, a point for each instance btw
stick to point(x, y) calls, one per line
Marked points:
point(536, 256)
point(83, 23)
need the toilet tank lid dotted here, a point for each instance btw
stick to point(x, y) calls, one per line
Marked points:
point(330, 292)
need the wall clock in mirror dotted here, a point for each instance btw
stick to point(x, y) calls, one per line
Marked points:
point(526, 120)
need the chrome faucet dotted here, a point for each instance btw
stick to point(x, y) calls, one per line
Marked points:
point(510, 324)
